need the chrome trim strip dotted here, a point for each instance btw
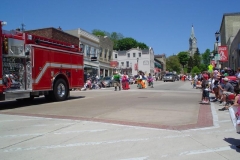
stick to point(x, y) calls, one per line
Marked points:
point(69, 66)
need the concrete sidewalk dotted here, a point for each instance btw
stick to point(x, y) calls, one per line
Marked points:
point(37, 138)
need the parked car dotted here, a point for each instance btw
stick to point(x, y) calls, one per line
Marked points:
point(177, 77)
point(169, 77)
point(107, 81)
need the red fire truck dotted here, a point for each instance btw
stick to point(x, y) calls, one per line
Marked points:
point(31, 66)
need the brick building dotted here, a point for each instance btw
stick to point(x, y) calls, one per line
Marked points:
point(56, 34)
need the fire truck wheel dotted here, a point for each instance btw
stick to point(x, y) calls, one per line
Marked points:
point(60, 90)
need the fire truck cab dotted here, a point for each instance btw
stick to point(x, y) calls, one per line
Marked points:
point(31, 66)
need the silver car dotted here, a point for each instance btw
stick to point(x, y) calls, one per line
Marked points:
point(107, 81)
point(169, 77)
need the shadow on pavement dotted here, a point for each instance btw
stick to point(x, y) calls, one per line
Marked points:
point(234, 143)
point(23, 103)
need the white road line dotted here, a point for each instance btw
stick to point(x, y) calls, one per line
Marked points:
point(18, 120)
point(136, 158)
point(177, 136)
point(21, 135)
point(215, 121)
point(57, 124)
point(58, 133)
point(224, 121)
point(210, 150)
point(68, 132)
point(74, 145)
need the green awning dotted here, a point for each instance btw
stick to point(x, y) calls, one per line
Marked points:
point(158, 65)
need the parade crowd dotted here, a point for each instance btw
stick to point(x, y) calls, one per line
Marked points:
point(120, 81)
point(225, 88)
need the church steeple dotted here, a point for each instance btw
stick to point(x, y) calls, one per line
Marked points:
point(192, 43)
point(192, 33)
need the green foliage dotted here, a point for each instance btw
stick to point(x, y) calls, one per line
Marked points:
point(142, 45)
point(190, 63)
point(119, 42)
point(98, 32)
point(203, 67)
point(127, 43)
point(206, 57)
point(173, 64)
point(197, 58)
point(115, 37)
point(185, 70)
point(183, 58)
point(195, 70)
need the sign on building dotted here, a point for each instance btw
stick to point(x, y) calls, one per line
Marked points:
point(223, 53)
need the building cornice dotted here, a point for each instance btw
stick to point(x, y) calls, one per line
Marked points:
point(83, 33)
point(228, 14)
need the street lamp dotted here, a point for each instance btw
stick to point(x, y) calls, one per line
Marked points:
point(217, 35)
point(137, 64)
point(211, 57)
point(217, 54)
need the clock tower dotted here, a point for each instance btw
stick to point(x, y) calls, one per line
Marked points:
point(192, 43)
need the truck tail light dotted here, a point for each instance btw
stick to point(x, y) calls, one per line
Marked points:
point(3, 23)
point(5, 46)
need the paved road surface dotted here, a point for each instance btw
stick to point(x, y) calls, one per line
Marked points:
point(166, 122)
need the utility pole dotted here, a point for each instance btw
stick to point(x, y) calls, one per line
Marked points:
point(22, 27)
point(217, 54)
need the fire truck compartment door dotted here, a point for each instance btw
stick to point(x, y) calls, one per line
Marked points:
point(41, 74)
point(77, 71)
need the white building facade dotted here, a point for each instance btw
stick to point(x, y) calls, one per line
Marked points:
point(91, 47)
point(134, 60)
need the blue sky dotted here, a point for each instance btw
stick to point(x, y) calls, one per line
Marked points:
point(164, 25)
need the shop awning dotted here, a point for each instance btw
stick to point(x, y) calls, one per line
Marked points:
point(157, 65)
point(89, 66)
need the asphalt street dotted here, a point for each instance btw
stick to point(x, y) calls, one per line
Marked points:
point(164, 122)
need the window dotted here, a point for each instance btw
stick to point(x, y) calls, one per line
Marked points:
point(127, 63)
point(134, 54)
point(115, 55)
point(109, 55)
point(83, 49)
point(97, 52)
point(139, 54)
point(105, 55)
point(92, 53)
point(122, 63)
point(88, 51)
point(128, 55)
point(100, 52)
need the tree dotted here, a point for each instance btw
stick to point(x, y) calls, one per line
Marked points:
point(119, 42)
point(126, 44)
point(173, 64)
point(98, 32)
point(197, 58)
point(115, 37)
point(195, 70)
point(142, 45)
point(206, 57)
point(190, 63)
point(183, 58)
